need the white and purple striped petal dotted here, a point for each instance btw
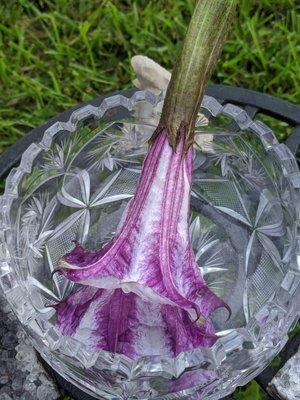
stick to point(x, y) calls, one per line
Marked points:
point(149, 291)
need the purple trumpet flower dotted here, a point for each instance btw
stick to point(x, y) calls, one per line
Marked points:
point(143, 293)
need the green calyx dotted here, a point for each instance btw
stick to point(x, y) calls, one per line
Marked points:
point(202, 46)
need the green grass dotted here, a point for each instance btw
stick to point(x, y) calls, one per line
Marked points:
point(56, 53)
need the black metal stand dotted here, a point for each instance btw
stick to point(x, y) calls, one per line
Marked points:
point(254, 103)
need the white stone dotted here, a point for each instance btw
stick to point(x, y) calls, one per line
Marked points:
point(4, 396)
point(150, 75)
point(46, 392)
point(4, 379)
point(17, 383)
point(286, 383)
point(20, 370)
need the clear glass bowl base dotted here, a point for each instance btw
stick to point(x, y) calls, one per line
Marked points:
point(75, 184)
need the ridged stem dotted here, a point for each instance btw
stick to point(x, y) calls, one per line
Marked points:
point(202, 46)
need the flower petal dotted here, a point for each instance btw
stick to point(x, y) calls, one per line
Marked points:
point(150, 261)
point(123, 323)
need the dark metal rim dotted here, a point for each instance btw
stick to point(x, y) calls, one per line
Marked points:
point(253, 102)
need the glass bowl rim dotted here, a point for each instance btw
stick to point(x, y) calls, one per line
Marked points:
point(230, 340)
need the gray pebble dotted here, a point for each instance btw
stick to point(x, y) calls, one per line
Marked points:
point(4, 379)
point(4, 396)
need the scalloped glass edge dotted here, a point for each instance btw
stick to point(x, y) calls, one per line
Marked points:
point(282, 311)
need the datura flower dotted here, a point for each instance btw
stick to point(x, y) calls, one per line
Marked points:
point(142, 293)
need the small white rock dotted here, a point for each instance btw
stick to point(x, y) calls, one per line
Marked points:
point(45, 392)
point(4, 379)
point(4, 396)
point(17, 384)
point(286, 383)
point(150, 75)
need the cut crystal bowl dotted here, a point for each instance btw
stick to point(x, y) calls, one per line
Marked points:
point(75, 184)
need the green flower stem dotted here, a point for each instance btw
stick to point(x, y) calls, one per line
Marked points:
point(202, 46)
